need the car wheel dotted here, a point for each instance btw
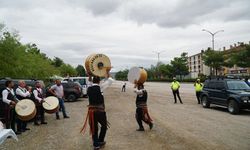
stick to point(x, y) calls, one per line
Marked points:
point(233, 107)
point(71, 97)
point(204, 101)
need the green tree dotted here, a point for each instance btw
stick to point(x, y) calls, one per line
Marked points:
point(213, 59)
point(122, 75)
point(80, 70)
point(57, 62)
point(242, 59)
point(67, 70)
point(179, 65)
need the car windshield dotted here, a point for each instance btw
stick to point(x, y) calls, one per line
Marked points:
point(237, 85)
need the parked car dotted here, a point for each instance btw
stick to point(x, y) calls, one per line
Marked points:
point(231, 93)
point(72, 90)
point(82, 80)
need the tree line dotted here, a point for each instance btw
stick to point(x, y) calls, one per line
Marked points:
point(176, 67)
point(216, 60)
point(20, 60)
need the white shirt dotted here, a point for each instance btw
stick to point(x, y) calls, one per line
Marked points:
point(103, 85)
point(138, 92)
point(5, 94)
point(22, 92)
point(36, 94)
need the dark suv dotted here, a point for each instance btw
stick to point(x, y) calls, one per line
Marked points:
point(230, 93)
point(72, 90)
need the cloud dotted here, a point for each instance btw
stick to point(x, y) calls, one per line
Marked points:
point(127, 31)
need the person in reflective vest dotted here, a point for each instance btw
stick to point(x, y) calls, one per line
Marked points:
point(198, 88)
point(175, 85)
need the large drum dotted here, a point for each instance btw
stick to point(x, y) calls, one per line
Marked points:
point(98, 64)
point(25, 109)
point(137, 74)
point(51, 104)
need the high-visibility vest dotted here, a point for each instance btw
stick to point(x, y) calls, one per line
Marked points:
point(175, 85)
point(198, 87)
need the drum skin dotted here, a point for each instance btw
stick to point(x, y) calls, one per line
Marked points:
point(137, 74)
point(98, 64)
point(25, 109)
point(51, 104)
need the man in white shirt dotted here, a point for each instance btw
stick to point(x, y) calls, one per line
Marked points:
point(57, 91)
point(22, 93)
point(38, 99)
point(10, 101)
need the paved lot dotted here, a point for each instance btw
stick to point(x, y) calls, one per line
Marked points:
point(177, 126)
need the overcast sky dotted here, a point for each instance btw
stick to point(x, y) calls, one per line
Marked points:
point(128, 31)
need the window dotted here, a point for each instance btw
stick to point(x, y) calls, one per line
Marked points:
point(220, 86)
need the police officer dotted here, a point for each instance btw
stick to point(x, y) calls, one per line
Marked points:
point(198, 87)
point(175, 85)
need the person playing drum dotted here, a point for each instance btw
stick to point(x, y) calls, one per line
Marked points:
point(22, 93)
point(96, 110)
point(141, 107)
point(38, 99)
point(10, 101)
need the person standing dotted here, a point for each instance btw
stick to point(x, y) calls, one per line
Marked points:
point(198, 87)
point(124, 87)
point(22, 93)
point(96, 110)
point(175, 85)
point(141, 107)
point(10, 101)
point(57, 91)
point(38, 99)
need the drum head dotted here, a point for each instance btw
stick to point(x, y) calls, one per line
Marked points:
point(137, 74)
point(25, 107)
point(134, 74)
point(50, 103)
point(98, 64)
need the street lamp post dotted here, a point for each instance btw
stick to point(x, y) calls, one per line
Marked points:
point(158, 54)
point(213, 34)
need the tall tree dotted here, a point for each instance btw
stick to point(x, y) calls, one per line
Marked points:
point(80, 70)
point(213, 59)
point(179, 65)
point(57, 62)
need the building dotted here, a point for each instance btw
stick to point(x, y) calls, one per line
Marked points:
point(196, 65)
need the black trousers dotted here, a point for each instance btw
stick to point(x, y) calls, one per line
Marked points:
point(198, 94)
point(139, 117)
point(176, 93)
point(101, 118)
point(21, 125)
point(39, 114)
point(123, 89)
point(10, 118)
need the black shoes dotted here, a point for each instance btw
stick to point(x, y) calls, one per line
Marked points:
point(36, 123)
point(18, 132)
point(97, 148)
point(27, 129)
point(57, 118)
point(102, 144)
point(151, 126)
point(140, 129)
point(44, 122)
point(66, 117)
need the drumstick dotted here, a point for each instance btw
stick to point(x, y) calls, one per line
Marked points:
point(47, 103)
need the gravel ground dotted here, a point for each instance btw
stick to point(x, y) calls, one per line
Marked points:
point(176, 126)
